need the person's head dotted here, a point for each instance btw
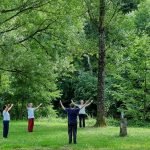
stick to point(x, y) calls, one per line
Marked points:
point(81, 102)
point(4, 107)
point(71, 105)
point(30, 104)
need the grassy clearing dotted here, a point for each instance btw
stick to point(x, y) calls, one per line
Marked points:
point(51, 135)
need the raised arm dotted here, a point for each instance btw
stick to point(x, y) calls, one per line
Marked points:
point(89, 103)
point(84, 104)
point(6, 108)
point(9, 108)
point(74, 103)
point(38, 106)
point(62, 105)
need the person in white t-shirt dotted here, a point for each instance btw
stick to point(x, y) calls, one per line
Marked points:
point(6, 119)
point(82, 112)
point(30, 111)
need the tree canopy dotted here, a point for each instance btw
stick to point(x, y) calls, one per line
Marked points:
point(49, 51)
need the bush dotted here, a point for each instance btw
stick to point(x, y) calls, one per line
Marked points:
point(46, 112)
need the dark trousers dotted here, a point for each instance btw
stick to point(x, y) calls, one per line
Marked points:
point(72, 132)
point(82, 120)
point(5, 128)
point(30, 124)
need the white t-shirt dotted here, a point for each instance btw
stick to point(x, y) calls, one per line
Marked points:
point(6, 116)
point(82, 111)
point(30, 112)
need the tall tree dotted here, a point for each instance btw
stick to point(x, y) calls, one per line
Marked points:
point(101, 68)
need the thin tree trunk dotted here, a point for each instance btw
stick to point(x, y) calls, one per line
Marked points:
point(89, 63)
point(17, 110)
point(21, 109)
point(145, 91)
point(100, 122)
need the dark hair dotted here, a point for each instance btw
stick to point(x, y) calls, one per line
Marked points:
point(71, 105)
point(4, 107)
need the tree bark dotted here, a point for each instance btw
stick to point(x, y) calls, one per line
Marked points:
point(100, 122)
point(123, 127)
point(145, 91)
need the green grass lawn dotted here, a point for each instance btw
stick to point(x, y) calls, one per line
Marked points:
point(51, 135)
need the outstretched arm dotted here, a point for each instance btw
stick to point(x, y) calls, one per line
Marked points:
point(74, 103)
point(38, 106)
point(62, 105)
point(84, 104)
point(89, 103)
point(9, 108)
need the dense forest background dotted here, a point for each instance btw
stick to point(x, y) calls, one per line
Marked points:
point(49, 51)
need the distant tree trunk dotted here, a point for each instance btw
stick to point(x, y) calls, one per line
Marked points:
point(100, 122)
point(145, 91)
point(89, 63)
point(21, 109)
point(17, 110)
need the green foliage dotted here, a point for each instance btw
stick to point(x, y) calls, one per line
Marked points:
point(142, 19)
point(127, 68)
point(47, 112)
point(49, 50)
point(37, 39)
point(129, 5)
point(85, 87)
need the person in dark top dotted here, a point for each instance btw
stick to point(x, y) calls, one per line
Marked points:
point(82, 112)
point(72, 121)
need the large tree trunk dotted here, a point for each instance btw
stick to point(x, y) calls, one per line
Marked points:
point(101, 68)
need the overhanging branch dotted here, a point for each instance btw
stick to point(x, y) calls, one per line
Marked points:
point(34, 6)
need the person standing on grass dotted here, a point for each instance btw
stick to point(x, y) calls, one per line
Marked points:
point(82, 113)
point(72, 121)
point(6, 119)
point(31, 110)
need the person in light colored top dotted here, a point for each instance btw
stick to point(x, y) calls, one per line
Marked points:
point(30, 111)
point(82, 112)
point(6, 119)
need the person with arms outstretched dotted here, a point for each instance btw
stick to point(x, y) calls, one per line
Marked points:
point(82, 112)
point(6, 119)
point(31, 110)
point(72, 121)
